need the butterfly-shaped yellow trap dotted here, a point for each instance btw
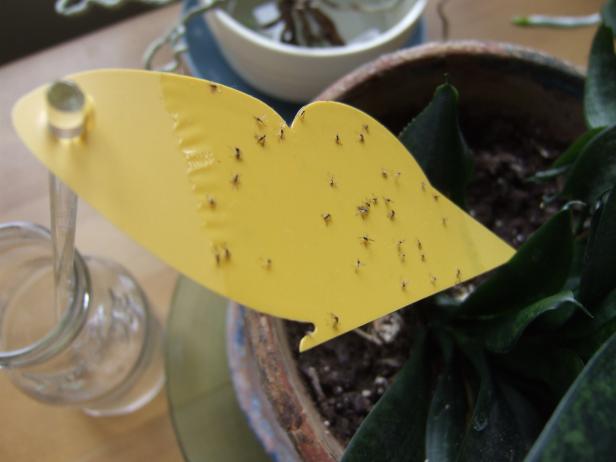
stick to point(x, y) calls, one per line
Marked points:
point(329, 221)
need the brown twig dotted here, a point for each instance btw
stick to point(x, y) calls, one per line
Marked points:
point(301, 14)
point(329, 31)
point(309, 37)
point(289, 32)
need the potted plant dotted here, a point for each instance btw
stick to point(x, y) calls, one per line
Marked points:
point(520, 365)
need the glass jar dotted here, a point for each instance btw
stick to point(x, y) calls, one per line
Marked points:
point(101, 353)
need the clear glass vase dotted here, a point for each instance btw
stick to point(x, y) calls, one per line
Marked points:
point(101, 352)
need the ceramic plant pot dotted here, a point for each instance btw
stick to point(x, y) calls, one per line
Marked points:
point(493, 79)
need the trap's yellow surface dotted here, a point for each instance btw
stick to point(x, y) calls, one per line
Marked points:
point(329, 221)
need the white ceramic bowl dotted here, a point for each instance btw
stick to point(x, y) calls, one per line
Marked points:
point(296, 73)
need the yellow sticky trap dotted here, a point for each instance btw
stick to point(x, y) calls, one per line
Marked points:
point(329, 221)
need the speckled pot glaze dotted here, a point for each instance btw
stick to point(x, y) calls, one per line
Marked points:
point(493, 79)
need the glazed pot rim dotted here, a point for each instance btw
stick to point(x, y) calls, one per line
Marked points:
point(432, 50)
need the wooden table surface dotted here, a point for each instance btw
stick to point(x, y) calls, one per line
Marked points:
point(36, 432)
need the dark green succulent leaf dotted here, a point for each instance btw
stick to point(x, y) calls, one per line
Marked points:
point(555, 366)
point(577, 263)
point(538, 269)
point(555, 319)
point(572, 152)
point(599, 270)
point(503, 424)
point(436, 142)
point(583, 425)
point(528, 421)
point(394, 431)
point(563, 163)
point(608, 14)
point(600, 88)
point(496, 439)
point(584, 327)
point(589, 334)
point(594, 171)
point(589, 346)
point(447, 415)
point(605, 313)
point(502, 333)
point(548, 174)
point(485, 395)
